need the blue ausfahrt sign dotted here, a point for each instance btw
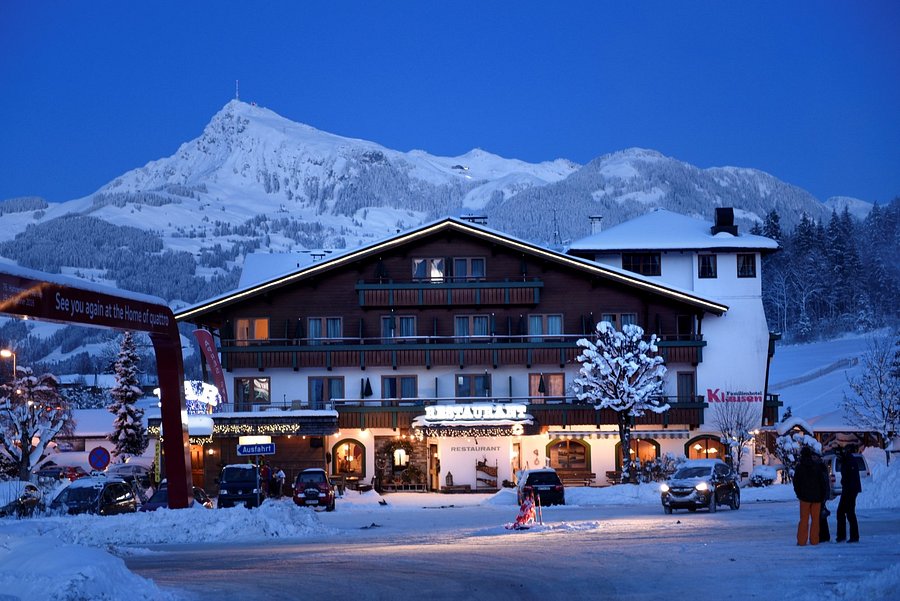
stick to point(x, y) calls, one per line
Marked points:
point(267, 448)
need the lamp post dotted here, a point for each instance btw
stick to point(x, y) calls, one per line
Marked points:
point(6, 354)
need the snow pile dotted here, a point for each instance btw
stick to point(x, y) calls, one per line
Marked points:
point(68, 573)
point(880, 585)
point(882, 490)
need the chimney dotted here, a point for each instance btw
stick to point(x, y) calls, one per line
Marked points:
point(476, 219)
point(724, 222)
point(596, 223)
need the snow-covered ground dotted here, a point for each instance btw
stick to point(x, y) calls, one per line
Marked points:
point(81, 557)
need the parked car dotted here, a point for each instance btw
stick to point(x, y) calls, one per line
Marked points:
point(96, 494)
point(701, 483)
point(160, 498)
point(18, 498)
point(239, 484)
point(313, 489)
point(833, 462)
point(131, 472)
point(543, 484)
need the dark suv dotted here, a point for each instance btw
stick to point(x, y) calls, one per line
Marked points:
point(313, 489)
point(239, 485)
point(701, 483)
point(96, 494)
point(543, 484)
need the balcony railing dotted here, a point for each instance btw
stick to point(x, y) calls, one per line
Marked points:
point(425, 351)
point(449, 291)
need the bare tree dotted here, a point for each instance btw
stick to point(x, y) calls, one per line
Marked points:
point(875, 400)
point(622, 372)
point(736, 421)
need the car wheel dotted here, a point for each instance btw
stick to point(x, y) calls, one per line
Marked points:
point(667, 509)
point(330, 507)
point(712, 502)
point(692, 509)
point(736, 499)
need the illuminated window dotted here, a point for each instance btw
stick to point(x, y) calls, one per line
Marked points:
point(251, 330)
point(641, 450)
point(705, 447)
point(348, 458)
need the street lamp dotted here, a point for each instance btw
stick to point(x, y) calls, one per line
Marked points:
point(6, 354)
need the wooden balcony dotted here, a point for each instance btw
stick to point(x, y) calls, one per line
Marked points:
point(470, 293)
point(426, 351)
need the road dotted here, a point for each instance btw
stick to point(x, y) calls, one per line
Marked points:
point(605, 552)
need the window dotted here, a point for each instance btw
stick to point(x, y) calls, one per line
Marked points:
point(568, 455)
point(323, 389)
point(251, 391)
point(619, 319)
point(251, 330)
point(705, 447)
point(468, 269)
point(642, 263)
point(395, 327)
point(554, 387)
point(746, 265)
point(399, 387)
point(706, 266)
point(472, 385)
point(465, 326)
point(428, 270)
point(685, 327)
point(687, 387)
point(349, 458)
point(325, 329)
point(641, 451)
point(542, 327)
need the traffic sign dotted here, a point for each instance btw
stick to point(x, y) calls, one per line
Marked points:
point(98, 458)
point(256, 449)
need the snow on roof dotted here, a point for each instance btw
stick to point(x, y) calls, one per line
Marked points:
point(667, 230)
point(787, 425)
point(259, 267)
point(93, 423)
point(333, 261)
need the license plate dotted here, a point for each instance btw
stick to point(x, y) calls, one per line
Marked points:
point(312, 501)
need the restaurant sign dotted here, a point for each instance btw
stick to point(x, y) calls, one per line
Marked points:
point(474, 414)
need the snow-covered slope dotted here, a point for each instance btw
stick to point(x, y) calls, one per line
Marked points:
point(858, 208)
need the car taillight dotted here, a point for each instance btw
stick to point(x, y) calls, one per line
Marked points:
point(558, 487)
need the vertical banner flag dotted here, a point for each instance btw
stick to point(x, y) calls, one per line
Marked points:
point(208, 345)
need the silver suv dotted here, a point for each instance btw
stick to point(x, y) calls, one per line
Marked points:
point(833, 463)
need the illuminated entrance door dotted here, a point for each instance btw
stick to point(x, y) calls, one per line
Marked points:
point(197, 475)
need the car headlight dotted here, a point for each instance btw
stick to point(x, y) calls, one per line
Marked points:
point(702, 486)
point(664, 487)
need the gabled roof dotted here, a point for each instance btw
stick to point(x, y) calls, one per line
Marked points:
point(449, 224)
point(666, 230)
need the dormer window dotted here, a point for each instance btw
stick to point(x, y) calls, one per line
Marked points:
point(642, 263)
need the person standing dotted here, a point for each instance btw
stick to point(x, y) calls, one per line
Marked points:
point(811, 489)
point(278, 482)
point(850, 487)
point(264, 474)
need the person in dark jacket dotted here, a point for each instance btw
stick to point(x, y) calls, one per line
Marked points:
point(850, 487)
point(811, 488)
point(824, 531)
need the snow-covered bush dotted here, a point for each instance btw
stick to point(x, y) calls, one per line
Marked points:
point(787, 449)
point(763, 475)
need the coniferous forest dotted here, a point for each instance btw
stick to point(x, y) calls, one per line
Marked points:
point(832, 277)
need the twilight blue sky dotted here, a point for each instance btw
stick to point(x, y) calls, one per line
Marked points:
point(807, 91)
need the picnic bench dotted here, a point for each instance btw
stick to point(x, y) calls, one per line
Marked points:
point(576, 477)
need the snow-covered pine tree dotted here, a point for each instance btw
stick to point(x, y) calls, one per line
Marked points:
point(129, 433)
point(32, 414)
point(623, 372)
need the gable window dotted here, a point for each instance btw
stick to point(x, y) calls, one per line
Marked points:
point(706, 266)
point(543, 327)
point(399, 387)
point(428, 270)
point(394, 327)
point(619, 319)
point(251, 391)
point(746, 265)
point(325, 329)
point(249, 330)
point(324, 389)
point(473, 385)
point(642, 263)
point(468, 269)
point(546, 388)
point(466, 326)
